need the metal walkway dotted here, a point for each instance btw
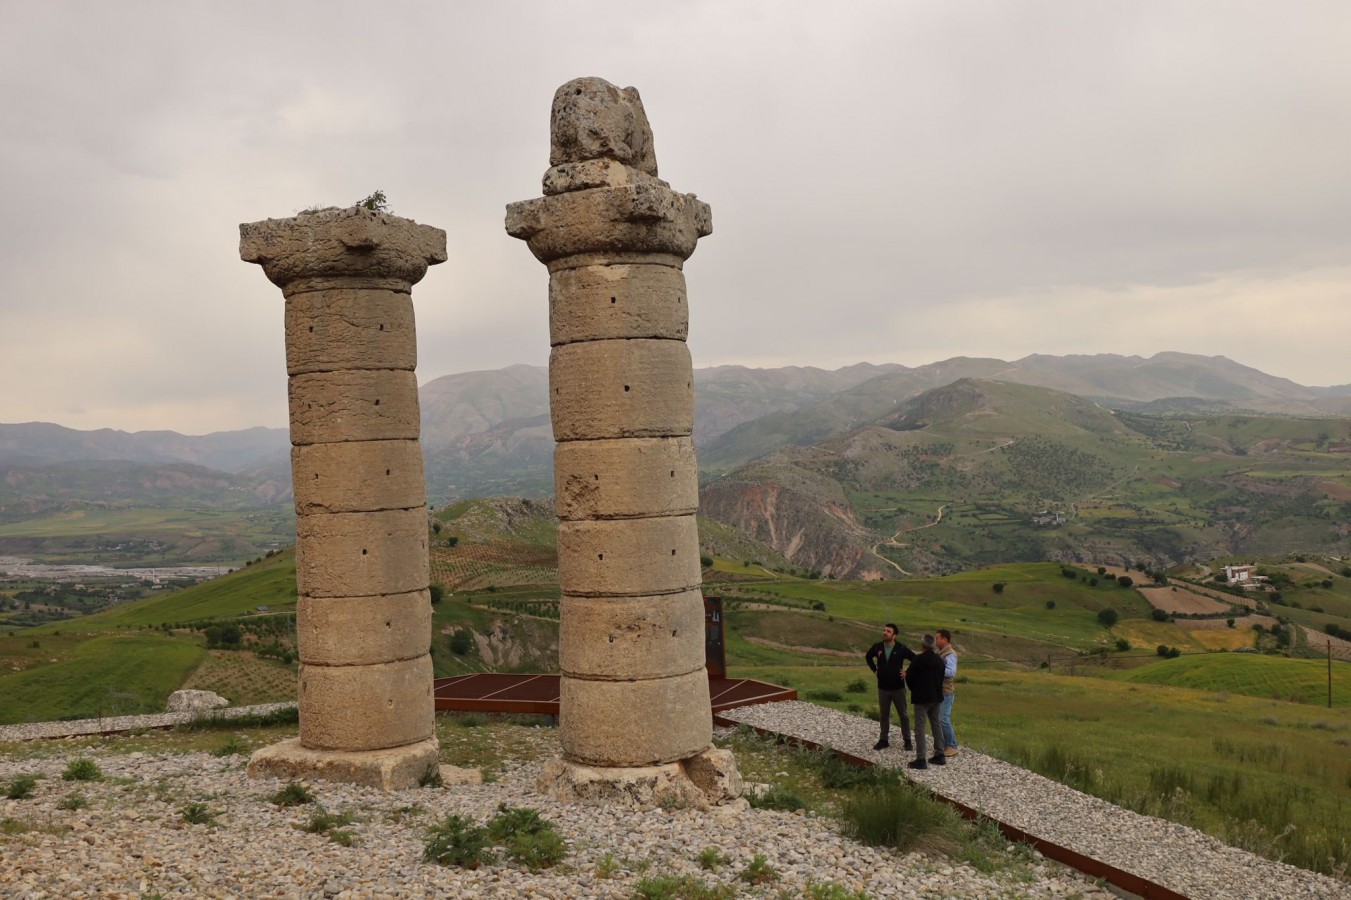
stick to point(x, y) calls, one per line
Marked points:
point(538, 694)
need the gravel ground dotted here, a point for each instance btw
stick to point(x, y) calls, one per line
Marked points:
point(130, 841)
point(1175, 856)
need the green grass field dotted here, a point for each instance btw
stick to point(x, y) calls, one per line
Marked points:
point(115, 675)
point(270, 583)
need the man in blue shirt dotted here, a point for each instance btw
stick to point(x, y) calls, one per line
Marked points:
point(886, 658)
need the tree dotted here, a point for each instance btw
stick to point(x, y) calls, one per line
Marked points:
point(438, 592)
point(1124, 581)
point(998, 587)
point(1158, 615)
point(1108, 617)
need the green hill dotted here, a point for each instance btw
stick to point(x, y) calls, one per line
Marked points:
point(1254, 675)
point(978, 472)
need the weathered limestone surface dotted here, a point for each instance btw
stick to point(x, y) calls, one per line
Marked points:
point(635, 723)
point(609, 389)
point(362, 554)
point(185, 701)
point(391, 769)
point(368, 707)
point(629, 557)
point(634, 692)
point(363, 631)
point(364, 610)
point(357, 476)
point(334, 330)
point(625, 479)
point(596, 303)
point(623, 638)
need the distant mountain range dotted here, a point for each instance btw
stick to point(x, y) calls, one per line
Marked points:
point(793, 438)
point(488, 433)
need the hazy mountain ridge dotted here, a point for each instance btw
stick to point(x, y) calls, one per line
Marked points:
point(488, 432)
point(980, 471)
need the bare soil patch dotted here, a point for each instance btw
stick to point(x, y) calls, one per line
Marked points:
point(1174, 599)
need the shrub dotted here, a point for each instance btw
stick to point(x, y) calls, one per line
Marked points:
point(1124, 580)
point(1108, 617)
point(835, 773)
point(73, 802)
point(332, 825)
point(21, 787)
point(819, 605)
point(1162, 650)
point(706, 562)
point(197, 813)
point(857, 686)
point(1050, 604)
point(1229, 622)
point(292, 794)
point(777, 797)
point(457, 841)
point(438, 593)
point(461, 642)
point(680, 887)
point(759, 871)
point(1122, 645)
point(1174, 652)
point(1158, 615)
point(231, 747)
point(711, 859)
point(896, 816)
point(998, 587)
point(82, 769)
point(825, 695)
point(527, 838)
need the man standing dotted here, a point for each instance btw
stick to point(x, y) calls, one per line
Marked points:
point(926, 689)
point(949, 657)
point(886, 658)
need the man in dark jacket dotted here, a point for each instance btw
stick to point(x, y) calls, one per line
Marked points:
point(926, 690)
point(886, 658)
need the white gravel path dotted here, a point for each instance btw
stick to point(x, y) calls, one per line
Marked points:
point(130, 841)
point(1175, 856)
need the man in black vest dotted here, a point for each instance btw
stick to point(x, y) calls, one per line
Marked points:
point(886, 659)
point(926, 689)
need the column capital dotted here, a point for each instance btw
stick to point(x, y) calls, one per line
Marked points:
point(637, 218)
point(342, 248)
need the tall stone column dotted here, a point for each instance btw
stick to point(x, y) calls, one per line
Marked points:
point(364, 612)
point(634, 691)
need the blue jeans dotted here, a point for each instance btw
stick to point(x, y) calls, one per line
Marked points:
point(945, 718)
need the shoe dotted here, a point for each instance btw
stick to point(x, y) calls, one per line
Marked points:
point(881, 745)
point(951, 751)
point(938, 760)
point(917, 764)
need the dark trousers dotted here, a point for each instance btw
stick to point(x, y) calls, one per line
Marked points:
point(930, 711)
point(888, 699)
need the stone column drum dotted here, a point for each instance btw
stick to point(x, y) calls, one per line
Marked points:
point(364, 612)
point(634, 689)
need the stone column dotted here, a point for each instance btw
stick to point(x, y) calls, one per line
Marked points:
point(634, 690)
point(364, 612)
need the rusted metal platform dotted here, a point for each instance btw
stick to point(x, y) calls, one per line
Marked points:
point(538, 694)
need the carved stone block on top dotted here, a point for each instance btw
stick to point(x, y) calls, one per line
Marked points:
point(593, 119)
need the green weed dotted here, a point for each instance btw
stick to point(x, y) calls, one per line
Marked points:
point(82, 769)
point(293, 793)
point(457, 841)
point(197, 813)
point(21, 787)
point(759, 871)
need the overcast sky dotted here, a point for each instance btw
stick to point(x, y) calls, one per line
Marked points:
point(891, 181)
